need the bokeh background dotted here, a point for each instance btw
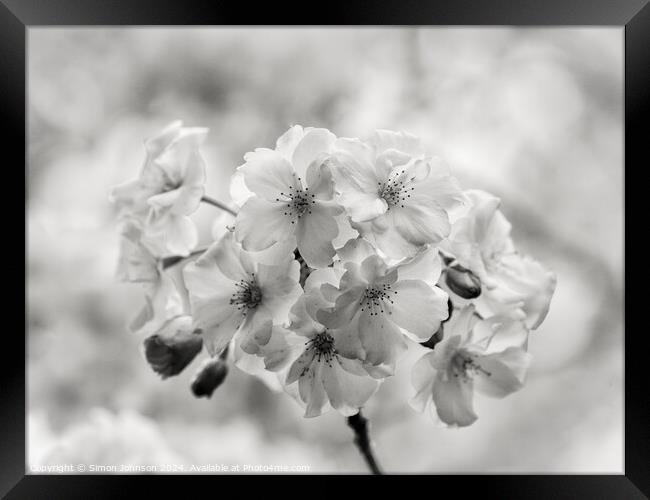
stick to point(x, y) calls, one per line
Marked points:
point(533, 115)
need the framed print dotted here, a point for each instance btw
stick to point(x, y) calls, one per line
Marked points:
point(387, 241)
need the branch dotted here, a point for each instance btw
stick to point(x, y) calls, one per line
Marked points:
point(359, 424)
point(218, 204)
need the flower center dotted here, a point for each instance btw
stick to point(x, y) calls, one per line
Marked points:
point(465, 365)
point(394, 191)
point(170, 186)
point(297, 201)
point(323, 345)
point(375, 297)
point(168, 183)
point(247, 295)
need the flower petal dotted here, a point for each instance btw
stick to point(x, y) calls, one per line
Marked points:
point(440, 186)
point(311, 390)
point(220, 329)
point(180, 235)
point(461, 323)
point(229, 258)
point(287, 142)
point(302, 321)
point(210, 292)
point(346, 391)
point(356, 250)
point(315, 145)
point(314, 234)
point(300, 366)
point(319, 277)
point(261, 224)
point(256, 330)
point(356, 180)
point(346, 231)
point(346, 306)
point(383, 140)
point(497, 333)
point(319, 181)
point(157, 144)
point(239, 193)
point(381, 339)
point(422, 377)
point(347, 341)
point(267, 174)
point(502, 373)
point(136, 263)
point(131, 196)
point(523, 279)
point(383, 232)
point(254, 365)
point(421, 221)
point(418, 308)
point(426, 265)
point(282, 347)
point(453, 400)
point(277, 280)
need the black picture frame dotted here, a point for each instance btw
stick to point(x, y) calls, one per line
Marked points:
point(16, 16)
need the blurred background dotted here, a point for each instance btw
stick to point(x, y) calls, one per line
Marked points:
point(532, 115)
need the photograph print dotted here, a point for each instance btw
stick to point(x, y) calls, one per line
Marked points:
point(311, 250)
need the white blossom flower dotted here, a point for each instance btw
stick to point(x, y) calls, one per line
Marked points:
point(487, 356)
point(322, 363)
point(383, 304)
point(253, 364)
point(168, 189)
point(235, 291)
point(480, 241)
point(137, 264)
point(396, 196)
point(288, 191)
point(163, 301)
point(331, 265)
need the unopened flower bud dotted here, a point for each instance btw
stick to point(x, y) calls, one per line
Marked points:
point(168, 355)
point(463, 282)
point(210, 376)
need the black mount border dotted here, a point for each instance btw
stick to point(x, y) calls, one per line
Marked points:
point(16, 16)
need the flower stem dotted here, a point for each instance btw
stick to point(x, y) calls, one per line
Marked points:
point(175, 259)
point(359, 424)
point(218, 204)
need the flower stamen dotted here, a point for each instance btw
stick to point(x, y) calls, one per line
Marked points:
point(323, 345)
point(298, 201)
point(465, 365)
point(395, 191)
point(375, 297)
point(247, 296)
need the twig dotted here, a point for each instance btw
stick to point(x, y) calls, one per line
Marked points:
point(218, 204)
point(359, 425)
point(175, 259)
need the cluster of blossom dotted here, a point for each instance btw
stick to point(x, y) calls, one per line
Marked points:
point(342, 253)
